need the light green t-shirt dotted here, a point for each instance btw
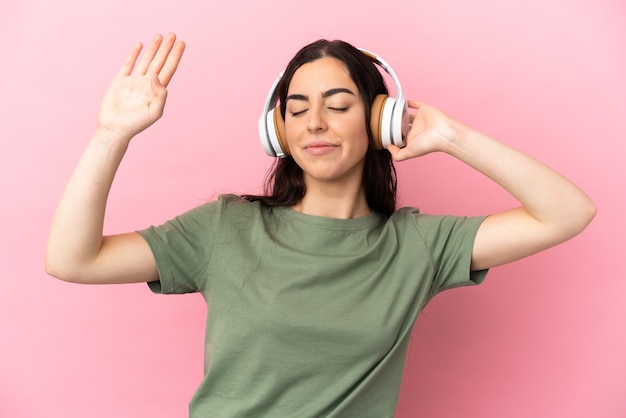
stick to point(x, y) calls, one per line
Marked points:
point(307, 316)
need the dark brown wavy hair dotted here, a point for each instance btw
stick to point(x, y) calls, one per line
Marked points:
point(284, 183)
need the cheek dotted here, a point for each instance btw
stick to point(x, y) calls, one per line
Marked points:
point(291, 130)
point(358, 131)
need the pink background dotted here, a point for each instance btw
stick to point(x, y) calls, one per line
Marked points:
point(543, 337)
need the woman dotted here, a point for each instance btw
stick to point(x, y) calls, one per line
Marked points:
point(312, 289)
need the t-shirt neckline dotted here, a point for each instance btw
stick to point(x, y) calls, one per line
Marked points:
point(363, 222)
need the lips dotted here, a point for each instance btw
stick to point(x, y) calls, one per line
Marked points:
point(317, 144)
point(320, 147)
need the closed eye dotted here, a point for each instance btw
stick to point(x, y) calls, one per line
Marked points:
point(338, 109)
point(299, 112)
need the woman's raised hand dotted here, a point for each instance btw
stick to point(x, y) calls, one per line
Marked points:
point(136, 97)
point(431, 130)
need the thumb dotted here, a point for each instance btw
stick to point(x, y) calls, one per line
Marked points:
point(157, 88)
point(159, 91)
point(397, 153)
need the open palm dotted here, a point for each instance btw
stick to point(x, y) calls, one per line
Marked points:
point(136, 97)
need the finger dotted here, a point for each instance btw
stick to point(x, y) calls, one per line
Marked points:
point(414, 104)
point(131, 58)
point(168, 70)
point(397, 153)
point(148, 56)
point(162, 53)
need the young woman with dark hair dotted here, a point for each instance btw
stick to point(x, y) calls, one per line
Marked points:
point(312, 289)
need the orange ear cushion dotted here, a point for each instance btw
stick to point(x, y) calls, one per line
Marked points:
point(279, 126)
point(376, 119)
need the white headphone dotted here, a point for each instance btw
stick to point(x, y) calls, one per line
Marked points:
point(389, 120)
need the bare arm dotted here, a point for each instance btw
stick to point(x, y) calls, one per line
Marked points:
point(77, 251)
point(553, 209)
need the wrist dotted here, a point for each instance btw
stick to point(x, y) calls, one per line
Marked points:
point(110, 142)
point(456, 138)
point(111, 137)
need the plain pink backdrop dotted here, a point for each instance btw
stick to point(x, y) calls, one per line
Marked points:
point(543, 337)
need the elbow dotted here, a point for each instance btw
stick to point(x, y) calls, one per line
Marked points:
point(54, 271)
point(588, 213)
point(591, 212)
point(584, 215)
point(60, 271)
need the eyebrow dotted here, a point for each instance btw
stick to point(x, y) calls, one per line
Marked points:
point(325, 94)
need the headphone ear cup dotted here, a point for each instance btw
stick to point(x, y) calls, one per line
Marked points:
point(279, 127)
point(376, 120)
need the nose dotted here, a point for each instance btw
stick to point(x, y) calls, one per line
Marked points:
point(316, 121)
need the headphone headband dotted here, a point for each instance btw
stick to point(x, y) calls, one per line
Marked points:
point(383, 64)
point(389, 121)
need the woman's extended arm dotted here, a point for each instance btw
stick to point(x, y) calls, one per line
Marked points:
point(77, 251)
point(553, 208)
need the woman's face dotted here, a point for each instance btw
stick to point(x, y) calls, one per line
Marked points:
point(325, 122)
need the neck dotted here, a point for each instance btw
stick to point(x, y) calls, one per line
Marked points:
point(333, 200)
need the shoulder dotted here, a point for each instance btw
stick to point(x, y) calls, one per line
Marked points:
point(214, 211)
point(235, 211)
point(434, 225)
point(235, 204)
point(226, 200)
point(227, 203)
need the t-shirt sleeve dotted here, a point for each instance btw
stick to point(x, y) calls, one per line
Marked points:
point(450, 241)
point(182, 248)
